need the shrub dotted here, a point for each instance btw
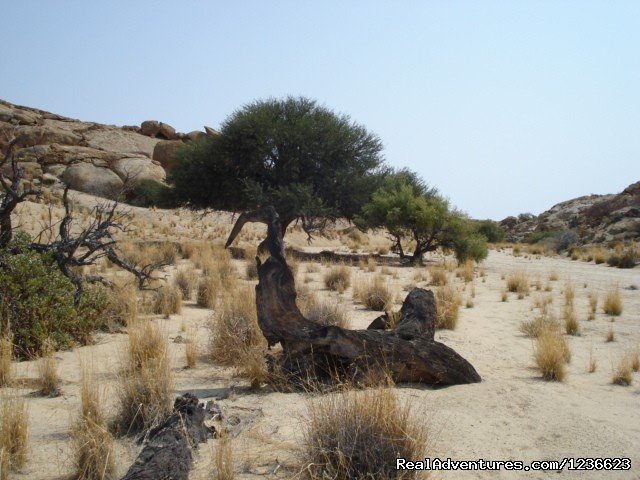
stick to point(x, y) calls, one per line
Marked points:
point(13, 432)
point(518, 282)
point(465, 271)
point(185, 280)
point(551, 352)
point(191, 348)
point(571, 324)
point(324, 312)
point(6, 354)
point(491, 231)
point(49, 379)
point(36, 303)
point(374, 294)
point(447, 306)
point(224, 459)
point(613, 303)
point(149, 192)
point(121, 307)
point(533, 328)
point(438, 276)
point(623, 373)
point(168, 301)
point(207, 291)
point(626, 259)
point(338, 278)
point(359, 435)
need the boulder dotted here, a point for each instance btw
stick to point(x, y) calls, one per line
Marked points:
point(167, 132)
point(210, 132)
point(194, 135)
point(55, 169)
point(32, 154)
point(29, 136)
point(121, 141)
point(164, 151)
point(134, 170)
point(49, 179)
point(150, 128)
point(93, 180)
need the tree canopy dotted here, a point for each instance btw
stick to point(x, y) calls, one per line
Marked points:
point(410, 211)
point(302, 158)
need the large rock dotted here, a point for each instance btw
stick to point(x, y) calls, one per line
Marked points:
point(29, 136)
point(121, 141)
point(194, 135)
point(93, 180)
point(134, 170)
point(164, 151)
point(150, 128)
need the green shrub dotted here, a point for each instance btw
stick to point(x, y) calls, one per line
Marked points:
point(491, 231)
point(626, 260)
point(36, 303)
point(152, 193)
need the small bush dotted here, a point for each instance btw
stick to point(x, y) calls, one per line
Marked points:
point(551, 352)
point(374, 294)
point(439, 276)
point(186, 280)
point(569, 294)
point(359, 435)
point(121, 307)
point(447, 307)
point(338, 278)
point(150, 192)
point(465, 271)
point(571, 324)
point(191, 348)
point(324, 312)
point(611, 336)
point(48, 373)
point(627, 259)
point(207, 291)
point(518, 282)
point(613, 303)
point(13, 432)
point(224, 459)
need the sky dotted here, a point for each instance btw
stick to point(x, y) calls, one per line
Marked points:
point(505, 107)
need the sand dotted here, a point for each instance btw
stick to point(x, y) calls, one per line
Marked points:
point(511, 415)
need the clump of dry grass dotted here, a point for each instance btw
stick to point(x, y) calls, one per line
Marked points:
point(553, 275)
point(611, 336)
point(504, 295)
point(313, 268)
point(465, 271)
point(168, 300)
point(185, 280)
point(208, 287)
point(447, 307)
point(533, 328)
point(469, 303)
point(47, 371)
point(224, 459)
point(374, 293)
point(191, 348)
point(439, 276)
point(623, 373)
point(551, 353)
point(338, 278)
point(569, 294)
point(146, 382)
point(571, 324)
point(372, 265)
point(635, 360)
point(122, 305)
point(91, 440)
point(600, 255)
point(518, 282)
point(359, 435)
point(14, 429)
point(323, 312)
point(613, 303)
point(6, 354)
point(593, 305)
point(236, 339)
point(593, 365)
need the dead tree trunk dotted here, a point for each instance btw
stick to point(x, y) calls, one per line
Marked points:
point(408, 353)
point(167, 454)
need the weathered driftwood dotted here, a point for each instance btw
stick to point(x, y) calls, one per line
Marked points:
point(167, 453)
point(408, 353)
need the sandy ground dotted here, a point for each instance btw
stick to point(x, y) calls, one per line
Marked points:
point(512, 414)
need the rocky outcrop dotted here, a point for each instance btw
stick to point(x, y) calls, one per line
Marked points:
point(90, 157)
point(593, 218)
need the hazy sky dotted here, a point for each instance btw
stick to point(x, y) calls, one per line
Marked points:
point(506, 107)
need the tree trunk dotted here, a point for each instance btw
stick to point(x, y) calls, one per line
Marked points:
point(408, 353)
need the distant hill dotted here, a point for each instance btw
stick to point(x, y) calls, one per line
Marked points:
point(592, 218)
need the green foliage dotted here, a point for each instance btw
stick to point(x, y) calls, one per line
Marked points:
point(152, 193)
point(36, 302)
point(491, 231)
point(410, 211)
point(294, 154)
point(627, 259)
point(557, 240)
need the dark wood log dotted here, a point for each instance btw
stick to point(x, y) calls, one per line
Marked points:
point(408, 353)
point(167, 453)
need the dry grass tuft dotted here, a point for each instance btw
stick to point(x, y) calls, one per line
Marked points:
point(338, 278)
point(465, 271)
point(14, 431)
point(518, 282)
point(447, 307)
point(593, 365)
point(90, 438)
point(207, 291)
point(553, 275)
point(323, 312)
point(374, 294)
point(635, 360)
point(623, 373)
point(6, 354)
point(439, 276)
point(224, 459)
point(613, 303)
point(611, 336)
point(504, 295)
point(372, 265)
point(185, 280)
point(191, 348)
point(122, 305)
point(359, 435)
point(593, 305)
point(47, 371)
point(569, 294)
point(533, 328)
point(146, 383)
point(571, 324)
point(168, 300)
point(551, 353)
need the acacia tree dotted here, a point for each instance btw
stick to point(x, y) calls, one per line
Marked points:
point(410, 211)
point(308, 162)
